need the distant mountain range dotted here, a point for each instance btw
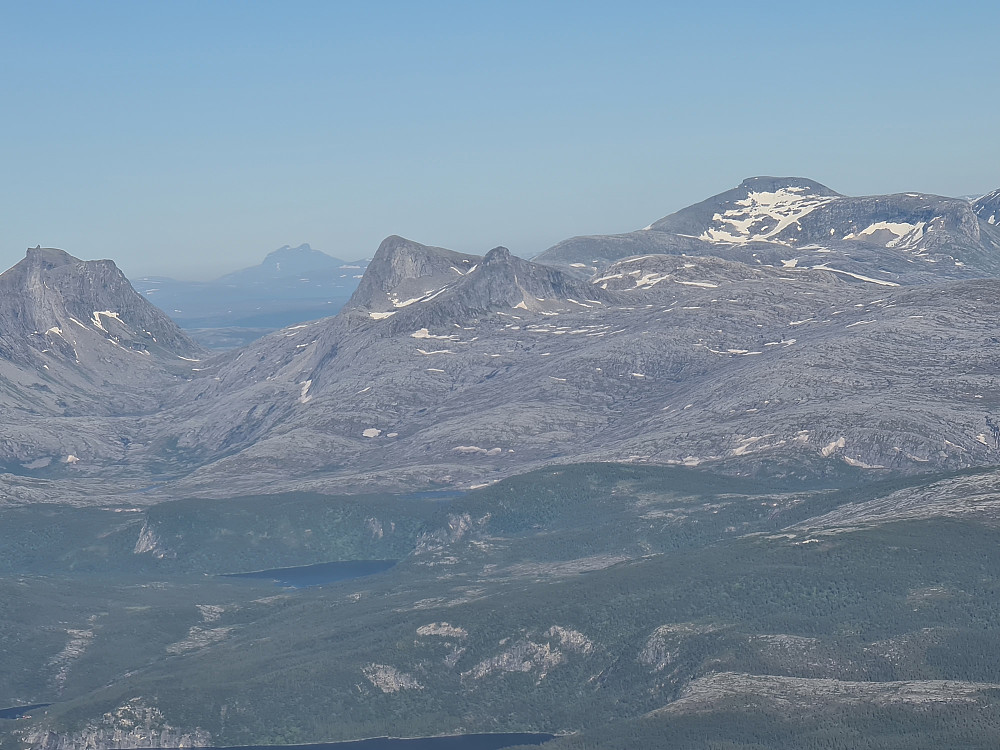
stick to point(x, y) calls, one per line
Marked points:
point(900, 239)
point(730, 480)
point(291, 285)
point(907, 238)
point(778, 327)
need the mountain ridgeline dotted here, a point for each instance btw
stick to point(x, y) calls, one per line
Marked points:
point(77, 337)
point(726, 481)
point(776, 328)
point(904, 238)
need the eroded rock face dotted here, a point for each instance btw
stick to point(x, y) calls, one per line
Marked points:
point(132, 725)
point(802, 694)
point(403, 272)
point(538, 654)
point(77, 340)
point(388, 679)
point(523, 656)
point(664, 645)
point(82, 357)
point(50, 292)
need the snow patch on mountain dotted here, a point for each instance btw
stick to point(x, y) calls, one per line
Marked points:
point(891, 234)
point(763, 215)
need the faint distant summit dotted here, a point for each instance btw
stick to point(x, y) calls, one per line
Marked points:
point(284, 263)
point(291, 285)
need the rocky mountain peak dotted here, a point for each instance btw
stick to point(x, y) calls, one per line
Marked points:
point(761, 205)
point(48, 257)
point(496, 255)
point(500, 282)
point(398, 258)
point(789, 222)
point(286, 262)
point(987, 208)
point(287, 252)
point(766, 184)
point(402, 272)
point(51, 292)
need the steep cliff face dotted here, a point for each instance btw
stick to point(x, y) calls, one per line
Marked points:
point(503, 282)
point(50, 291)
point(403, 272)
point(78, 335)
point(79, 351)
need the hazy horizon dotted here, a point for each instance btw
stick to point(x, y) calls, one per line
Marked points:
point(190, 140)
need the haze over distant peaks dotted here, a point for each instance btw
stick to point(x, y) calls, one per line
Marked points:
point(987, 208)
point(291, 285)
point(289, 262)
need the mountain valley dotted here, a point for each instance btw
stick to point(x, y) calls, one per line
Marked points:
point(456, 370)
point(719, 482)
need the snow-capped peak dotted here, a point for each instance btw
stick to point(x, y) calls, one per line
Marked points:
point(763, 215)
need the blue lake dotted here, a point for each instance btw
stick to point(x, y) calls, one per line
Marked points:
point(432, 495)
point(454, 742)
point(18, 711)
point(303, 576)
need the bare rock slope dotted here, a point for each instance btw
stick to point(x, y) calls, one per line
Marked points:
point(776, 328)
point(905, 238)
point(484, 367)
point(80, 353)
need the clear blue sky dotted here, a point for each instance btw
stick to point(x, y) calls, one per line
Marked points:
point(191, 138)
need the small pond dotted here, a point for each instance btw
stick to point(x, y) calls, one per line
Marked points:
point(451, 742)
point(303, 576)
point(18, 711)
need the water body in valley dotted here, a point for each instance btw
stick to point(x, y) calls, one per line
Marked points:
point(18, 712)
point(304, 576)
point(432, 495)
point(453, 742)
